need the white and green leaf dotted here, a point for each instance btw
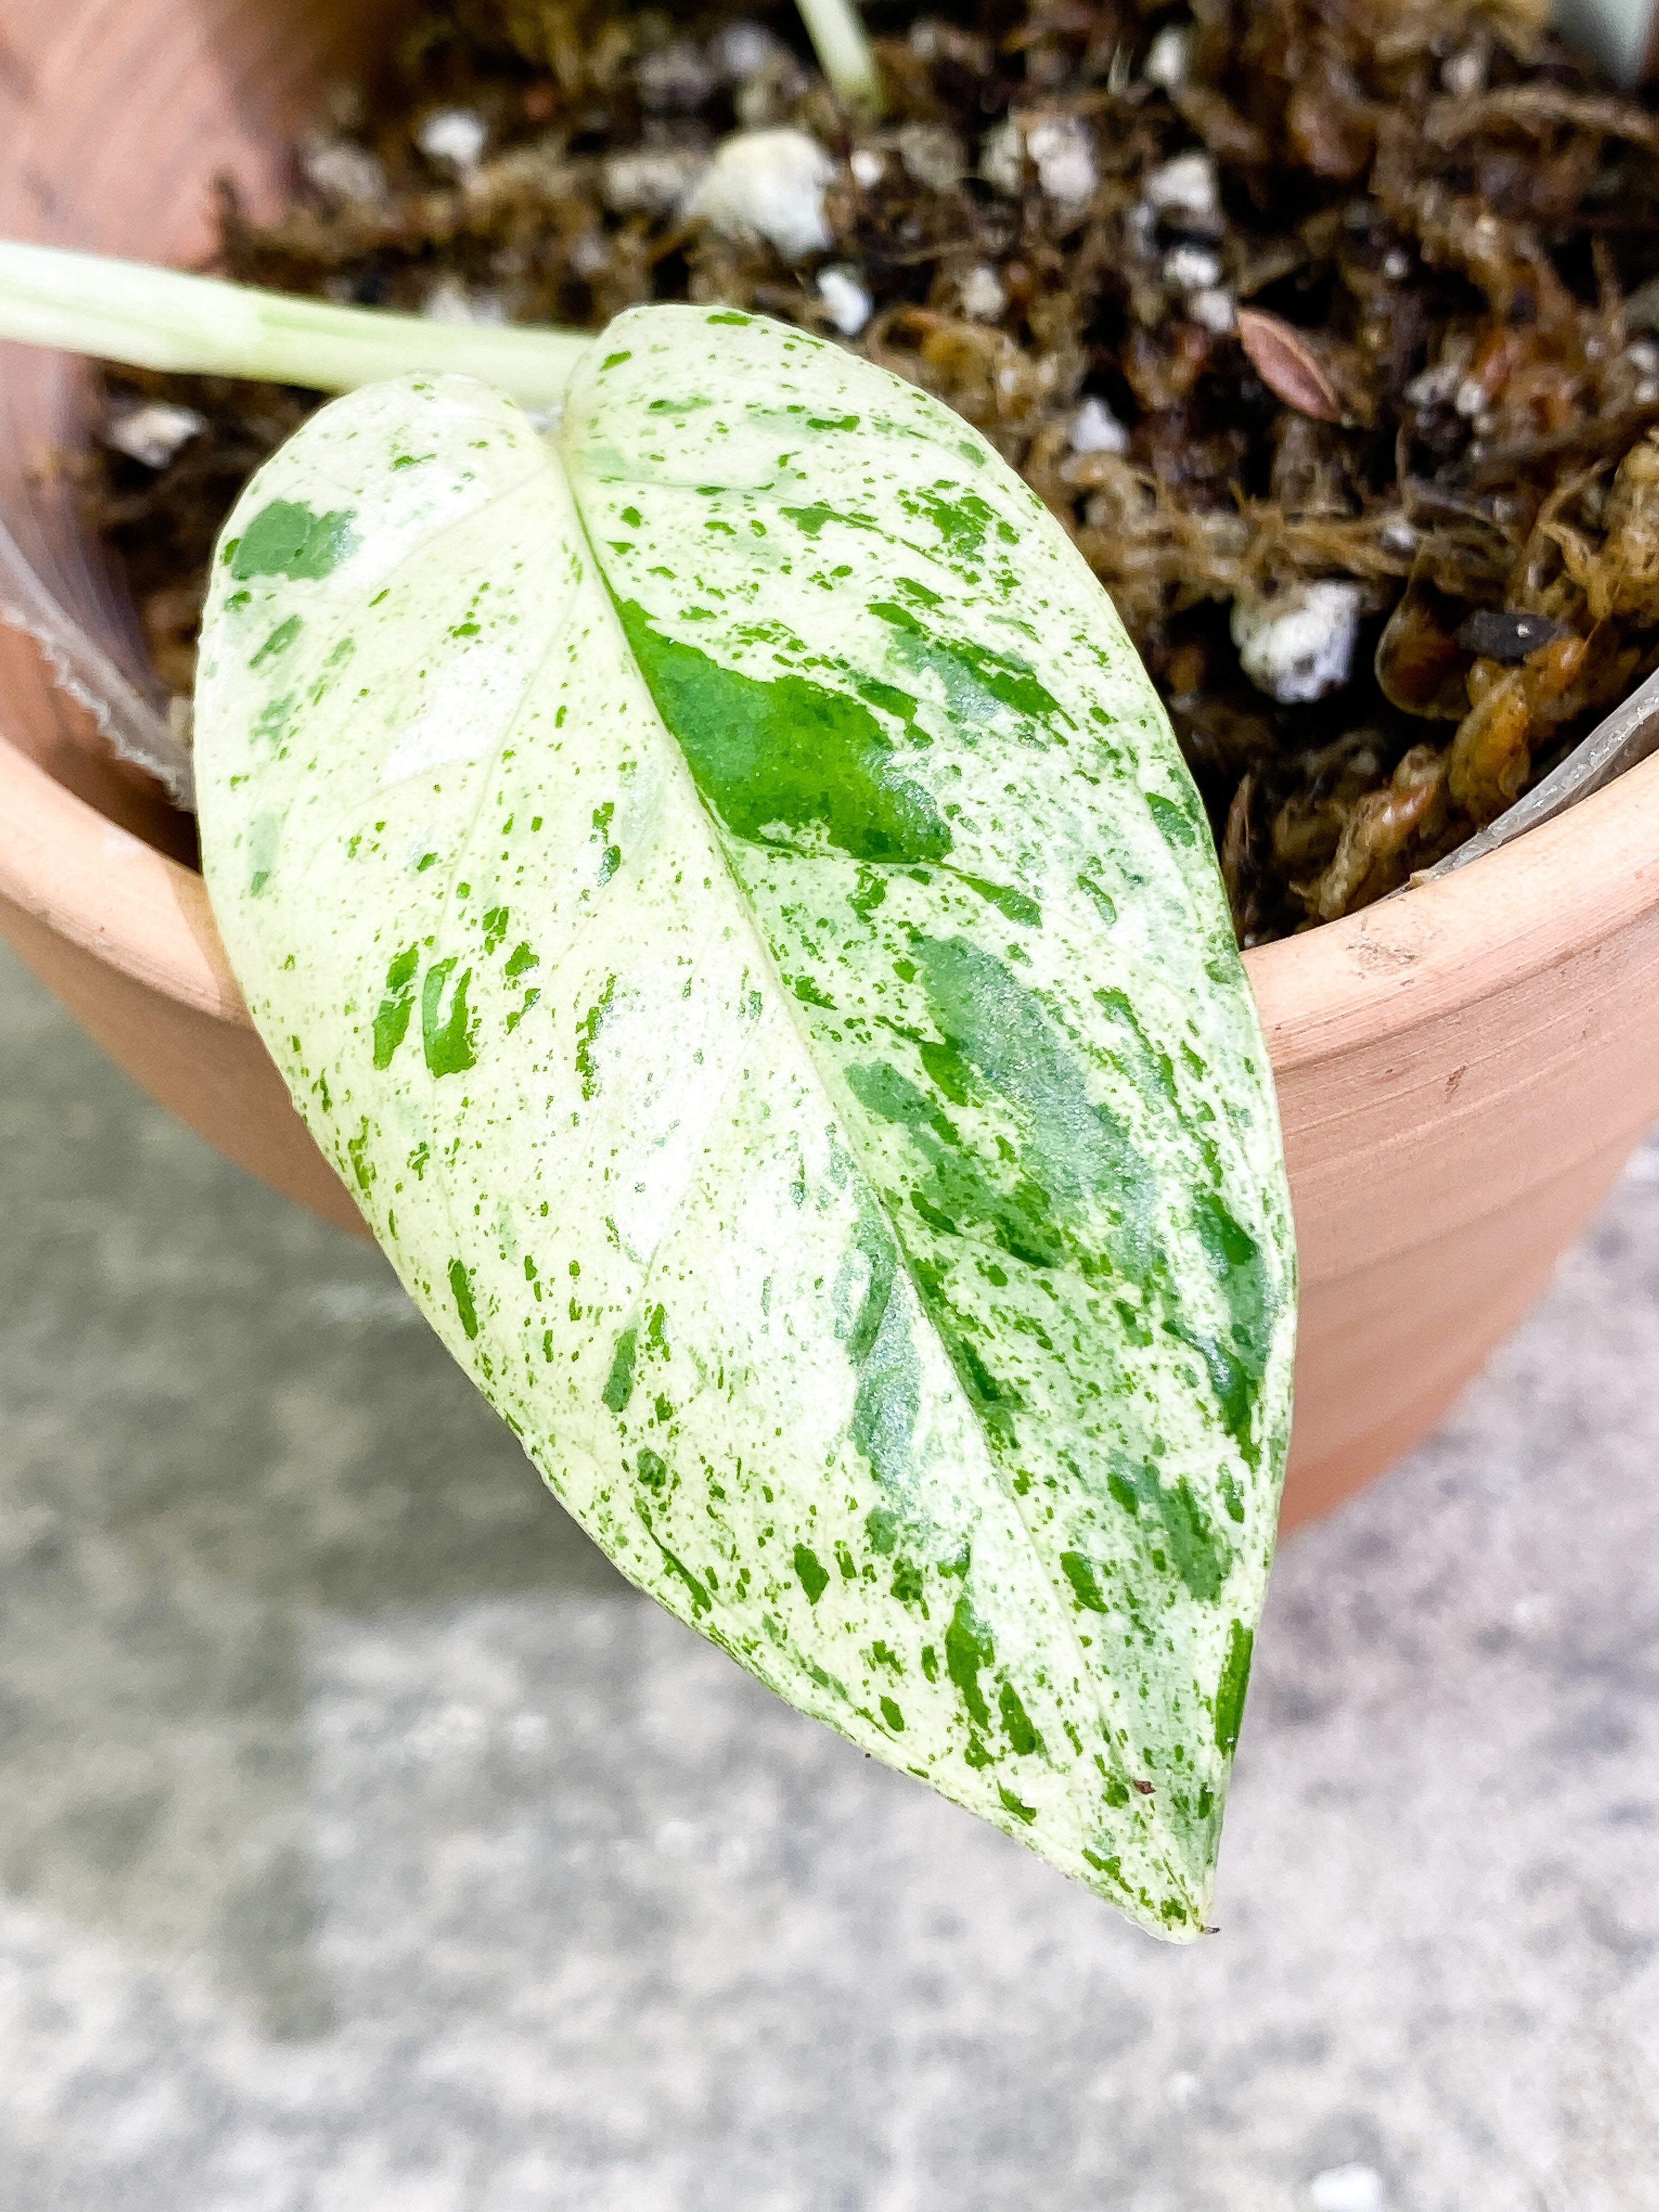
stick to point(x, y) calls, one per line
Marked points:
point(721, 887)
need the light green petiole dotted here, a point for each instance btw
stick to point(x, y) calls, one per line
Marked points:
point(845, 55)
point(151, 317)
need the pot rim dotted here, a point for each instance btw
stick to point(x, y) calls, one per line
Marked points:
point(1570, 882)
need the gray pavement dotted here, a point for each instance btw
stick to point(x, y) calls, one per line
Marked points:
point(366, 1846)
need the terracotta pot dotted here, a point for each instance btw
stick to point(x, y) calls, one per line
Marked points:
point(1461, 1071)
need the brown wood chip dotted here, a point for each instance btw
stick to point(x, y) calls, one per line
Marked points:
point(1283, 360)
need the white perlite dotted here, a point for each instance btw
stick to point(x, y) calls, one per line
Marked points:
point(1168, 57)
point(152, 434)
point(846, 300)
point(1464, 73)
point(770, 183)
point(453, 134)
point(1299, 645)
point(343, 172)
point(1096, 429)
point(1062, 152)
point(1471, 398)
point(982, 295)
point(1431, 386)
point(1185, 186)
point(867, 166)
point(1399, 536)
point(1002, 160)
point(1215, 309)
point(1063, 148)
point(1192, 269)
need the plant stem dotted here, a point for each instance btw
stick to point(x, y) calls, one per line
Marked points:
point(843, 46)
point(149, 317)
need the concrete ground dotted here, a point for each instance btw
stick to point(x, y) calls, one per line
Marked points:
point(366, 1846)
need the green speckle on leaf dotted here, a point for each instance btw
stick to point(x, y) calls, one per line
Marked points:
point(910, 1584)
point(619, 1384)
point(1199, 1553)
point(1016, 1722)
point(701, 1600)
point(287, 539)
point(362, 1168)
point(264, 836)
point(610, 858)
point(813, 1576)
point(460, 1284)
point(587, 1036)
point(1017, 905)
point(968, 1648)
point(972, 675)
point(394, 1009)
point(962, 519)
point(787, 759)
point(448, 1031)
point(1082, 1575)
point(1179, 824)
point(283, 635)
point(1230, 1691)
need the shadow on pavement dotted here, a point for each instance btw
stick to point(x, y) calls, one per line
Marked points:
point(219, 1420)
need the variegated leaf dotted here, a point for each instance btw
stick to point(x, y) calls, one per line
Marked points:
point(722, 888)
